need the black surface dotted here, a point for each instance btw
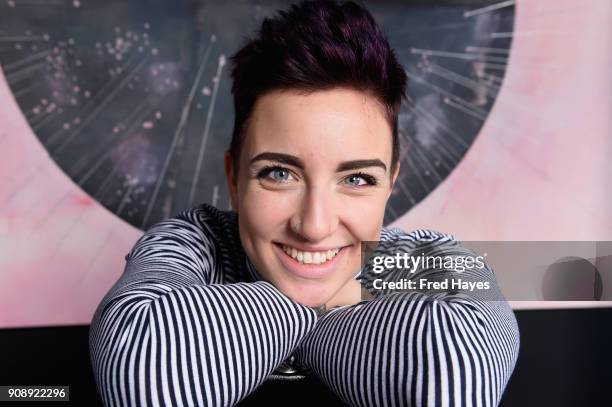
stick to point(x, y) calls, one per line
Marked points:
point(565, 360)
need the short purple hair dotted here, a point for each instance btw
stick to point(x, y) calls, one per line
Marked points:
point(317, 45)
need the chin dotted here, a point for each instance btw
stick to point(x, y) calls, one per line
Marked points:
point(308, 297)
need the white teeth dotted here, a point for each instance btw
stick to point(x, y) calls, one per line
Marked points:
point(310, 257)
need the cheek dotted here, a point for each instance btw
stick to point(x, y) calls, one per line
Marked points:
point(364, 215)
point(364, 218)
point(263, 210)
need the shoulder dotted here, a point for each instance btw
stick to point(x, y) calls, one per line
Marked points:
point(416, 236)
point(193, 229)
point(395, 240)
point(207, 218)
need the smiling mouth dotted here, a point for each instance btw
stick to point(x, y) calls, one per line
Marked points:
point(303, 264)
point(310, 257)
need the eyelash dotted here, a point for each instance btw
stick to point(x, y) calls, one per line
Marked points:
point(265, 171)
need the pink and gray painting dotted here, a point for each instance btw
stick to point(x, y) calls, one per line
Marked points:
point(107, 128)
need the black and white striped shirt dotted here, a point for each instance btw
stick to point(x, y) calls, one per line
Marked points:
point(191, 322)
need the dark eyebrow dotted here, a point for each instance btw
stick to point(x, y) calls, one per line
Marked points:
point(279, 157)
point(356, 164)
point(296, 162)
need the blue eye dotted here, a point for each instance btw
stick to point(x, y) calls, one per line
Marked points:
point(279, 174)
point(282, 174)
point(369, 180)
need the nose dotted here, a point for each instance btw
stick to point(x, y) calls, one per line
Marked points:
point(316, 218)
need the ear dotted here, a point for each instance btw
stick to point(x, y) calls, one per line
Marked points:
point(230, 177)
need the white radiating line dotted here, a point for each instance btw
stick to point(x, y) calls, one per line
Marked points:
point(26, 60)
point(471, 48)
point(179, 129)
point(215, 195)
point(462, 80)
point(16, 38)
point(464, 109)
point(211, 109)
point(44, 119)
point(98, 108)
point(458, 55)
point(24, 91)
point(430, 85)
point(500, 67)
point(30, 3)
point(488, 9)
point(23, 73)
point(42, 2)
point(469, 105)
point(438, 27)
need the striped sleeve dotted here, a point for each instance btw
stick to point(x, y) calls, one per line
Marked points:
point(165, 336)
point(420, 347)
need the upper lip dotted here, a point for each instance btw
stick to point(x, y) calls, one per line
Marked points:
point(310, 249)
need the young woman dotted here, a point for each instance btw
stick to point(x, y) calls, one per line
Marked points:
point(212, 302)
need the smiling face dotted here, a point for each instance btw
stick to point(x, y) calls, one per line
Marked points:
point(313, 179)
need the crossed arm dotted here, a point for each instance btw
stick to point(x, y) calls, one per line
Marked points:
point(412, 350)
point(418, 348)
point(164, 335)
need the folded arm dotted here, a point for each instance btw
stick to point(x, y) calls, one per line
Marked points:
point(164, 335)
point(421, 347)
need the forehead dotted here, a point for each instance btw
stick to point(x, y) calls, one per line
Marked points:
point(337, 123)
